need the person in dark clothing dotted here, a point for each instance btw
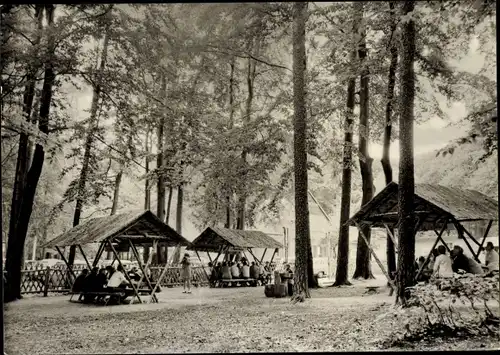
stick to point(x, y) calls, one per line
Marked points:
point(460, 261)
point(134, 275)
point(79, 283)
point(102, 280)
point(90, 285)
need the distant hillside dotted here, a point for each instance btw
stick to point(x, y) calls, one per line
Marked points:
point(460, 169)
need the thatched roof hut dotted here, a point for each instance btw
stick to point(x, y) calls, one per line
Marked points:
point(213, 238)
point(434, 205)
point(142, 227)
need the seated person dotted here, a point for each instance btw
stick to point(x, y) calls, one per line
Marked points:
point(109, 271)
point(90, 284)
point(443, 264)
point(118, 279)
point(134, 275)
point(218, 270)
point(254, 271)
point(245, 270)
point(226, 271)
point(79, 281)
point(491, 259)
point(102, 279)
point(235, 271)
point(463, 262)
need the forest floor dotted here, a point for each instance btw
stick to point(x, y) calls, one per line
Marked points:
point(211, 320)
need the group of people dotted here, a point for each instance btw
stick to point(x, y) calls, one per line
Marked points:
point(241, 270)
point(443, 265)
point(98, 280)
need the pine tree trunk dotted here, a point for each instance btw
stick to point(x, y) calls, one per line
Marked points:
point(363, 265)
point(82, 181)
point(231, 124)
point(242, 195)
point(180, 202)
point(406, 190)
point(23, 153)
point(169, 204)
point(386, 158)
point(160, 187)
point(341, 274)
point(16, 247)
point(147, 187)
point(302, 236)
point(116, 192)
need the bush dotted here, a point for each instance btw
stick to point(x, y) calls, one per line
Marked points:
point(455, 307)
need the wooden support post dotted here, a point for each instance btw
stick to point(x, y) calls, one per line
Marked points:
point(433, 246)
point(460, 230)
point(138, 258)
point(440, 237)
point(391, 236)
point(253, 255)
point(486, 232)
point(85, 257)
point(263, 254)
point(210, 258)
point(272, 257)
point(391, 283)
point(46, 282)
point(125, 273)
point(65, 261)
point(202, 266)
point(162, 275)
point(469, 234)
point(99, 254)
point(148, 262)
point(221, 249)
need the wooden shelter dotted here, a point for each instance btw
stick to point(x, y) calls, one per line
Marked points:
point(224, 241)
point(436, 207)
point(122, 232)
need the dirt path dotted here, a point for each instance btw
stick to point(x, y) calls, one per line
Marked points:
point(209, 320)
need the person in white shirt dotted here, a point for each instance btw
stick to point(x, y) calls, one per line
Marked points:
point(443, 264)
point(491, 259)
point(245, 270)
point(118, 278)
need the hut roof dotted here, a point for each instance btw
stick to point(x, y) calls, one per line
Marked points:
point(213, 238)
point(433, 205)
point(142, 227)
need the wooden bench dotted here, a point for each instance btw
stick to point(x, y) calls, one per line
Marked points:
point(103, 294)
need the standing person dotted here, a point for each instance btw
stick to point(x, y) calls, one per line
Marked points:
point(186, 273)
point(443, 264)
point(491, 259)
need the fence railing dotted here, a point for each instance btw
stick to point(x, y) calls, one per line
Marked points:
point(57, 279)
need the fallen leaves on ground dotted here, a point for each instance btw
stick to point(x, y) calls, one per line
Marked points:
point(209, 320)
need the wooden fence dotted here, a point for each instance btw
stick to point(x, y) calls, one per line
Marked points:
point(59, 280)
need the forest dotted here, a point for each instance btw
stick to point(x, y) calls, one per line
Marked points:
point(232, 112)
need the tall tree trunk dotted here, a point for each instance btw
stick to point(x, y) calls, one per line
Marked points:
point(231, 124)
point(160, 185)
point(386, 158)
point(16, 246)
point(248, 112)
point(94, 121)
point(116, 192)
point(147, 188)
point(176, 257)
point(180, 202)
point(406, 190)
point(302, 236)
point(363, 265)
point(23, 153)
point(169, 204)
point(341, 274)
